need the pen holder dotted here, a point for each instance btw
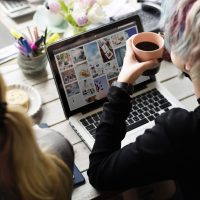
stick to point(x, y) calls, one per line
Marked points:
point(32, 65)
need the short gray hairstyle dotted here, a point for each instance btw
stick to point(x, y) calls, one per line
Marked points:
point(181, 22)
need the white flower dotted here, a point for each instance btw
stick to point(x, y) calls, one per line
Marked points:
point(89, 2)
point(103, 2)
point(96, 14)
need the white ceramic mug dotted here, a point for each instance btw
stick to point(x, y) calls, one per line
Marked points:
point(53, 18)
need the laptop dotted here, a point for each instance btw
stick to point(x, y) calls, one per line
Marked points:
point(84, 67)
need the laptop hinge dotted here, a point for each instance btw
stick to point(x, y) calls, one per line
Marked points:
point(92, 108)
point(139, 88)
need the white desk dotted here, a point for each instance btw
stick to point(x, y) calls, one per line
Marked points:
point(53, 115)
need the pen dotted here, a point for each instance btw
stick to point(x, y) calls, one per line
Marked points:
point(21, 49)
point(26, 37)
point(33, 46)
point(45, 35)
point(27, 47)
point(53, 38)
point(15, 34)
point(39, 41)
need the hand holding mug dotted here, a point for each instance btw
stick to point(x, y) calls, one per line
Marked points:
point(132, 68)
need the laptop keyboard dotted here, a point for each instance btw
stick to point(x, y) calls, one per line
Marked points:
point(145, 108)
point(16, 8)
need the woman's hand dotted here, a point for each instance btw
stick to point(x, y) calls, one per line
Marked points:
point(131, 68)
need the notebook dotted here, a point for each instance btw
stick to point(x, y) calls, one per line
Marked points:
point(78, 178)
point(84, 67)
point(7, 48)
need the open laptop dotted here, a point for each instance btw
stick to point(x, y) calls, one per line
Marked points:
point(84, 67)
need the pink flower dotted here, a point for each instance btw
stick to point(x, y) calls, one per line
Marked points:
point(82, 20)
point(54, 6)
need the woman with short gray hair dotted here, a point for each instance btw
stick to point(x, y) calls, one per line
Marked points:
point(170, 150)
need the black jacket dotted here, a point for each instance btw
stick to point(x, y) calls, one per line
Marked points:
point(170, 150)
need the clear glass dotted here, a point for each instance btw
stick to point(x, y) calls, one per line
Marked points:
point(32, 65)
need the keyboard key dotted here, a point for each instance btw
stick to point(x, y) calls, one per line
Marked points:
point(90, 127)
point(136, 119)
point(90, 120)
point(137, 124)
point(151, 118)
point(165, 105)
point(141, 116)
point(92, 132)
point(130, 121)
point(157, 109)
point(96, 118)
point(134, 113)
point(85, 123)
point(146, 114)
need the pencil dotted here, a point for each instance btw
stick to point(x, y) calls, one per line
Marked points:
point(45, 35)
point(35, 32)
point(29, 31)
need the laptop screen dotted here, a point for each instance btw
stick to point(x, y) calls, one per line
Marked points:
point(85, 66)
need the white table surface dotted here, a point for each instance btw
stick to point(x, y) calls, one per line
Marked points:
point(52, 112)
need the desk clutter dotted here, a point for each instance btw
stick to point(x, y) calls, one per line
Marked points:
point(31, 49)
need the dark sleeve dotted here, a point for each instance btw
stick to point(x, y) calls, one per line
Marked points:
point(149, 159)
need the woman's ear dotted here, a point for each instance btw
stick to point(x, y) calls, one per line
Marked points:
point(188, 66)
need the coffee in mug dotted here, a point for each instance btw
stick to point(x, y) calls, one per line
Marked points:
point(147, 46)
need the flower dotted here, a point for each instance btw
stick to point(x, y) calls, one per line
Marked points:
point(54, 6)
point(80, 13)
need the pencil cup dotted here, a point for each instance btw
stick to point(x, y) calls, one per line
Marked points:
point(32, 65)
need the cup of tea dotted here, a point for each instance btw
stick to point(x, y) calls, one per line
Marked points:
point(148, 46)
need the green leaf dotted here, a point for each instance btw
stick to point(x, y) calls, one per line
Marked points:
point(63, 6)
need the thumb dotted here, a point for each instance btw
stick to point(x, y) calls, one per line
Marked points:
point(129, 48)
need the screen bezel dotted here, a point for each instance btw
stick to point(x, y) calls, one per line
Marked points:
point(61, 43)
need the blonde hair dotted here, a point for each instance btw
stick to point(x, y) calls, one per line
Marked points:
point(24, 168)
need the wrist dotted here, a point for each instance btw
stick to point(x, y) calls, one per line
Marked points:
point(131, 73)
point(126, 87)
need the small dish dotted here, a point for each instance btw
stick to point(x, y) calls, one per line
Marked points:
point(35, 101)
point(42, 21)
